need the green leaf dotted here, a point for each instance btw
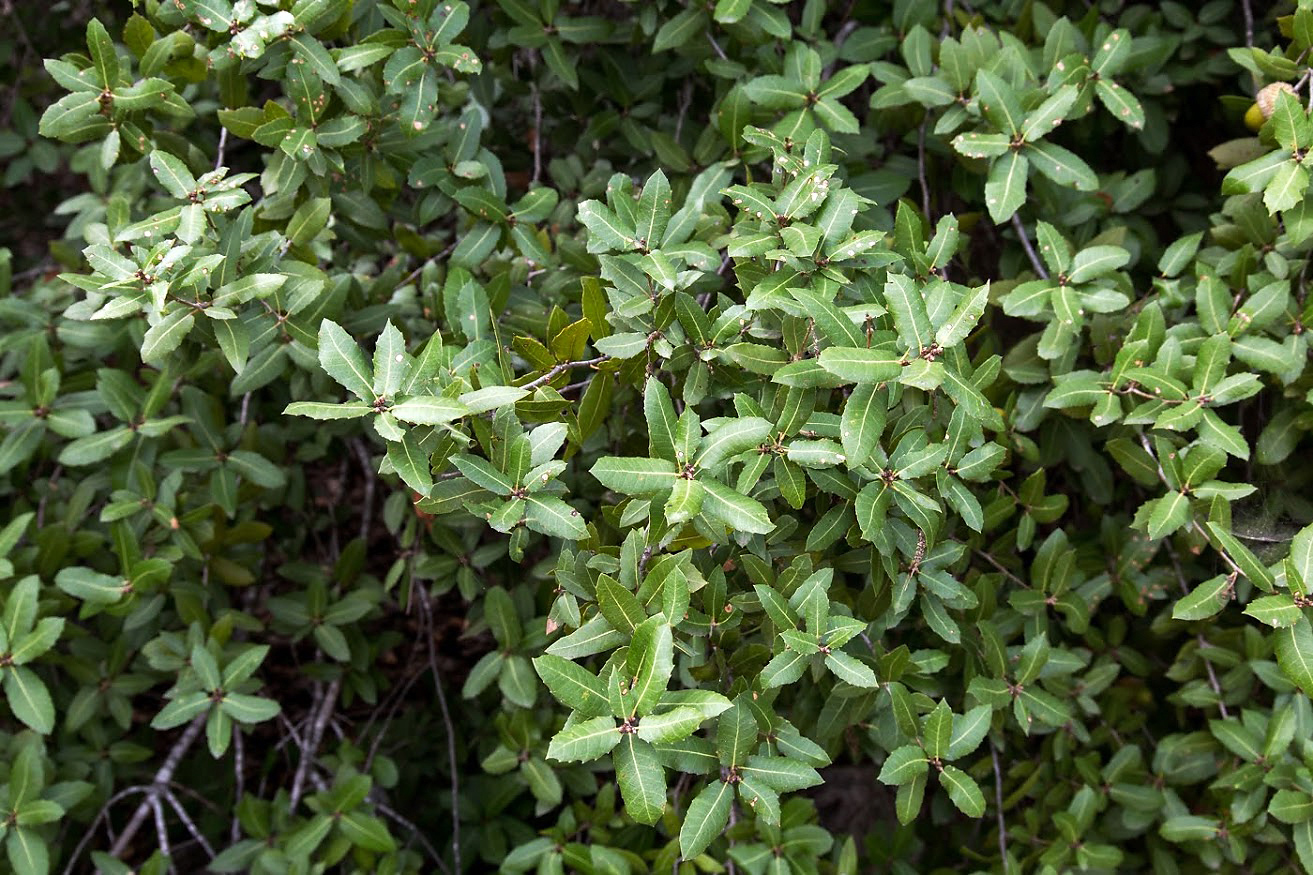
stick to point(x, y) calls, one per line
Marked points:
point(1294, 651)
point(367, 832)
point(172, 174)
point(705, 818)
point(1188, 828)
point(903, 765)
point(963, 790)
point(660, 415)
point(249, 709)
point(1291, 806)
point(553, 517)
point(309, 219)
point(27, 851)
point(620, 607)
point(1005, 190)
point(653, 211)
point(969, 730)
point(679, 29)
point(641, 778)
point(29, 700)
point(606, 231)
point(734, 509)
point(1169, 514)
point(91, 586)
point(428, 410)
point(962, 321)
point(780, 773)
point(1062, 166)
point(1205, 600)
point(998, 102)
point(585, 740)
point(651, 662)
point(324, 410)
point(685, 501)
point(1048, 115)
point(908, 309)
point(876, 365)
point(1286, 188)
point(673, 725)
point(411, 464)
point(164, 336)
point(1123, 105)
point(850, 670)
point(1277, 610)
point(1301, 554)
point(341, 359)
point(937, 730)
point(734, 437)
point(634, 476)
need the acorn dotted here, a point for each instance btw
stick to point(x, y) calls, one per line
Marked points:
point(1264, 103)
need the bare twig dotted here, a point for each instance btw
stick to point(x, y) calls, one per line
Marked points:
point(90, 831)
point(715, 45)
point(537, 133)
point(998, 806)
point(1030, 250)
point(920, 170)
point(1001, 569)
point(239, 772)
point(223, 145)
point(161, 830)
point(367, 513)
point(410, 277)
point(1248, 11)
point(1203, 642)
point(311, 748)
point(158, 784)
point(561, 368)
point(1212, 675)
point(415, 832)
point(45, 495)
point(451, 731)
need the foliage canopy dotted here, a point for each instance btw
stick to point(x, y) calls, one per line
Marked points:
point(766, 412)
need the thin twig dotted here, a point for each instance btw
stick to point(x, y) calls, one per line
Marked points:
point(410, 277)
point(998, 806)
point(920, 170)
point(161, 830)
point(715, 45)
point(311, 747)
point(188, 822)
point(561, 368)
point(239, 773)
point(1203, 642)
point(451, 731)
point(1030, 250)
point(51, 484)
point(90, 831)
point(415, 832)
point(1212, 675)
point(537, 133)
point(158, 783)
point(1249, 22)
point(223, 144)
point(1000, 568)
point(367, 514)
